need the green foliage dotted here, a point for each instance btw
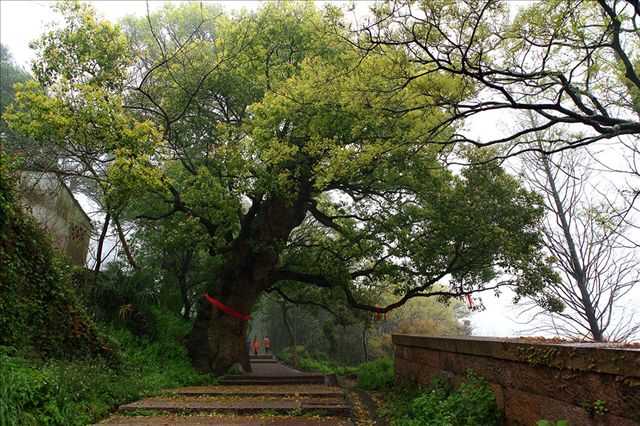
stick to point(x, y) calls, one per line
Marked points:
point(39, 309)
point(600, 407)
point(124, 298)
point(175, 253)
point(297, 114)
point(44, 324)
point(471, 404)
point(595, 408)
point(7, 189)
point(317, 362)
point(376, 375)
point(397, 402)
point(417, 316)
point(10, 74)
point(373, 375)
point(270, 142)
point(64, 393)
point(552, 423)
point(320, 333)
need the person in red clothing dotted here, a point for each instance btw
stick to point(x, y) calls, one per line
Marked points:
point(267, 344)
point(255, 345)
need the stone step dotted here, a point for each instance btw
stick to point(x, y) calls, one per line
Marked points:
point(194, 420)
point(274, 380)
point(261, 390)
point(242, 406)
point(263, 356)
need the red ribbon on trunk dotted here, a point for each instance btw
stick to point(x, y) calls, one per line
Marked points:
point(226, 309)
point(469, 301)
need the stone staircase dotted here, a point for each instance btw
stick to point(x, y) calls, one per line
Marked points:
point(272, 394)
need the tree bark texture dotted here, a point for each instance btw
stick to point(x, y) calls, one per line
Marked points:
point(123, 241)
point(217, 340)
point(183, 282)
point(364, 343)
point(103, 234)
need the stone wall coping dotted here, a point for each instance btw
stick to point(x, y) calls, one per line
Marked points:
point(594, 357)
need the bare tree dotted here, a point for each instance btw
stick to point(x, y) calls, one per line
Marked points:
point(585, 242)
point(625, 168)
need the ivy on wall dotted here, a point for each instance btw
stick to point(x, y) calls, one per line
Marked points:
point(39, 310)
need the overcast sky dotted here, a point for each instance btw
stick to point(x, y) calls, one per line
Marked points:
point(23, 21)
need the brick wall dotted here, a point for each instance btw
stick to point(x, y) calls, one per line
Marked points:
point(533, 381)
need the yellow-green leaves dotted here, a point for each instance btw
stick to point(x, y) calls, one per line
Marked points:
point(36, 114)
point(85, 49)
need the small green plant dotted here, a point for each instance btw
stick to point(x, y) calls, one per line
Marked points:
point(552, 423)
point(234, 370)
point(376, 375)
point(600, 407)
point(473, 403)
point(141, 412)
point(295, 412)
point(314, 362)
point(397, 403)
point(595, 408)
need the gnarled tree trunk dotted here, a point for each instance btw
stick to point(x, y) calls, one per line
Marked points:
point(217, 340)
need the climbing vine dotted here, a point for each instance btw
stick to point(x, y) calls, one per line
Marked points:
point(6, 189)
point(39, 311)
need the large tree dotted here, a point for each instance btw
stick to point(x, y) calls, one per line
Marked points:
point(281, 141)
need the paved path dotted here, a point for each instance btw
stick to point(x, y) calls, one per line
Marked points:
point(272, 394)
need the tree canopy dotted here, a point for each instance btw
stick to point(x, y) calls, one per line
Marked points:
point(276, 136)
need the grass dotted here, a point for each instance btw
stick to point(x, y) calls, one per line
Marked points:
point(471, 404)
point(79, 392)
point(316, 363)
point(376, 375)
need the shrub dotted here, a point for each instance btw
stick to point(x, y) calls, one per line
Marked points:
point(472, 404)
point(39, 310)
point(318, 362)
point(7, 188)
point(63, 392)
point(375, 375)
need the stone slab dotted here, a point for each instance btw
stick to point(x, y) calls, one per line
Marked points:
point(260, 390)
point(598, 358)
point(235, 405)
point(312, 379)
point(167, 420)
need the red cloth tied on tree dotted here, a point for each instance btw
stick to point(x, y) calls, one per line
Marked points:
point(379, 314)
point(226, 309)
point(469, 301)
